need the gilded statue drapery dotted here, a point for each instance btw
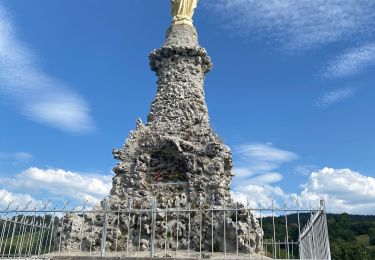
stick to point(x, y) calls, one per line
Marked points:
point(183, 11)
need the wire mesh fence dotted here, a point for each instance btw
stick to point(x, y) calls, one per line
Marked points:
point(287, 233)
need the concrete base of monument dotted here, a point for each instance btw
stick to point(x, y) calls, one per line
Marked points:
point(216, 256)
point(171, 255)
point(253, 257)
point(113, 258)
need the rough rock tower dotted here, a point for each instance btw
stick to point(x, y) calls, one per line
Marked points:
point(176, 157)
point(177, 149)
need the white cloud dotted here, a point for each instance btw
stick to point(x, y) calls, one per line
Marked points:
point(260, 195)
point(343, 190)
point(15, 158)
point(297, 24)
point(39, 96)
point(17, 199)
point(266, 178)
point(243, 172)
point(351, 62)
point(59, 184)
point(257, 163)
point(305, 170)
point(335, 96)
point(265, 153)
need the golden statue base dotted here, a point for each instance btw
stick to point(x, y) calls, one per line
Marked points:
point(182, 20)
point(183, 11)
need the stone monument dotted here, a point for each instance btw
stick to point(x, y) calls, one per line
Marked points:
point(175, 157)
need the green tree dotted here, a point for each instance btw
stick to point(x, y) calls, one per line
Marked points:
point(371, 234)
point(344, 221)
point(348, 251)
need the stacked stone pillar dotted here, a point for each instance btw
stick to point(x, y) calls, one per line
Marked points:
point(177, 158)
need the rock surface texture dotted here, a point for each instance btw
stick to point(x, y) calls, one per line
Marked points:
point(177, 159)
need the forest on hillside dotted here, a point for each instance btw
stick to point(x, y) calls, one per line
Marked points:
point(352, 237)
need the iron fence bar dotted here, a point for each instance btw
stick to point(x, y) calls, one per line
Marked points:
point(261, 226)
point(43, 237)
point(33, 233)
point(177, 223)
point(237, 238)
point(70, 240)
point(23, 239)
point(35, 226)
point(49, 237)
point(328, 247)
point(118, 223)
point(62, 230)
point(248, 228)
point(129, 233)
point(274, 231)
point(225, 237)
point(140, 231)
point(292, 251)
point(38, 239)
point(11, 240)
point(321, 237)
point(166, 232)
point(92, 235)
point(313, 237)
point(310, 242)
point(266, 249)
point(171, 209)
point(104, 231)
point(212, 225)
point(6, 236)
point(28, 237)
point(41, 232)
point(48, 229)
point(153, 220)
point(287, 235)
point(19, 238)
point(52, 229)
point(3, 232)
point(81, 233)
point(189, 230)
point(299, 226)
point(200, 230)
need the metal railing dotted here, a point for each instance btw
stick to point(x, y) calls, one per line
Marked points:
point(49, 231)
point(314, 240)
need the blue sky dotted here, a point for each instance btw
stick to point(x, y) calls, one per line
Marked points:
point(291, 93)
